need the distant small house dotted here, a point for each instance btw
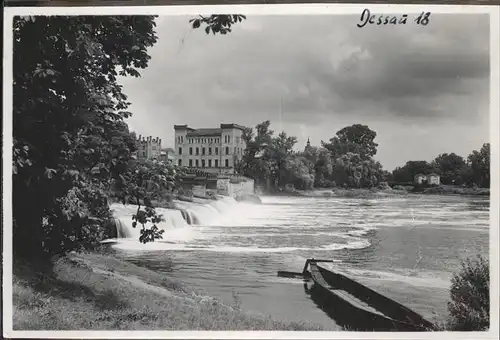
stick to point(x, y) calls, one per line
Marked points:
point(433, 179)
point(430, 179)
point(420, 178)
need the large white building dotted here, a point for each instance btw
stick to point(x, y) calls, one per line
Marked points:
point(215, 150)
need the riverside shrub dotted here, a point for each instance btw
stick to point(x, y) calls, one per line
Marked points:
point(469, 308)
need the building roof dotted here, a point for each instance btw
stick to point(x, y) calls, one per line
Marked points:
point(182, 127)
point(420, 175)
point(208, 131)
point(205, 132)
point(232, 126)
point(433, 174)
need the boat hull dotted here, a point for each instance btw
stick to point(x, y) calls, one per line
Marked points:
point(357, 307)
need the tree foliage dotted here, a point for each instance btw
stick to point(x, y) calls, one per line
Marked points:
point(217, 23)
point(469, 308)
point(356, 139)
point(144, 183)
point(452, 168)
point(69, 135)
point(273, 161)
point(72, 149)
point(408, 172)
point(479, 163)
point(350, 170)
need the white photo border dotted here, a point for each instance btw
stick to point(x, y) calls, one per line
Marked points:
point(271, 9)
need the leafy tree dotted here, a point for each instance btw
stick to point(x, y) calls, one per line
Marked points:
point(71, 145)
point(450, 167)
point(278, 151)
point(256, 162)
point(357, 139)
point(217, 23)
point(469, 308)
point(350, 170)
point(323, 168)
point(144, 183)
point(408, 172)
point(67, 102)
point(299, 171)
point(479, 162)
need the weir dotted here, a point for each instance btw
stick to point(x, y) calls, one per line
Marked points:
point(187, 214)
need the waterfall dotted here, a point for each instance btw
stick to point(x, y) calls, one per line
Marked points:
point(188, 214)
point(123, 220)
point(206, 214)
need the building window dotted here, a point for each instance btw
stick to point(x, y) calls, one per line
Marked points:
point(180, 151)
point(227, 150)
point(229, 139)
point(197, 151)
point(216, 163)
point(235, 150)
point(209, 151)
point(190, 163)
point(203, 151)
point(202, 163)
point(216, 151)
point(191, 151)
point(182, 139)
point(180, 162)
point(227, 163)
point(197, 163)
point(209, 163)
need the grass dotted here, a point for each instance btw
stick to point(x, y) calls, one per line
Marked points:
point(100, 292)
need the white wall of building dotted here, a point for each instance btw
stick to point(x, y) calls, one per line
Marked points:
point(222, 149)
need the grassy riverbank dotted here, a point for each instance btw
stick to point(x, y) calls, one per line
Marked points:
point(101, 292)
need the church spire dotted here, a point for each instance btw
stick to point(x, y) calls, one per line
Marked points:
point(308, 145)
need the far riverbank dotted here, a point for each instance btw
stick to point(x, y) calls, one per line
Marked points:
point(374, 192)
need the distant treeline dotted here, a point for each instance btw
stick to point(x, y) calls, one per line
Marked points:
point(346, 160)
point(452, 168)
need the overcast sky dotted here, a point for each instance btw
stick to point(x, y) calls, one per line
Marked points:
point(424, 90)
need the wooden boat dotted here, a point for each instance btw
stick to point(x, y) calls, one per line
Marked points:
point(355, 306)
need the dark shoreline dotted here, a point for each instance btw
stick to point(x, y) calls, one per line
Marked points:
point(374, 193)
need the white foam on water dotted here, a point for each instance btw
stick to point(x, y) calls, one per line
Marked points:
point(424, 279)
point(209, 223)
point(174, 225)
point(168, 244)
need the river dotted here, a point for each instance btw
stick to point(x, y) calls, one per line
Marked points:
point(404, 247)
